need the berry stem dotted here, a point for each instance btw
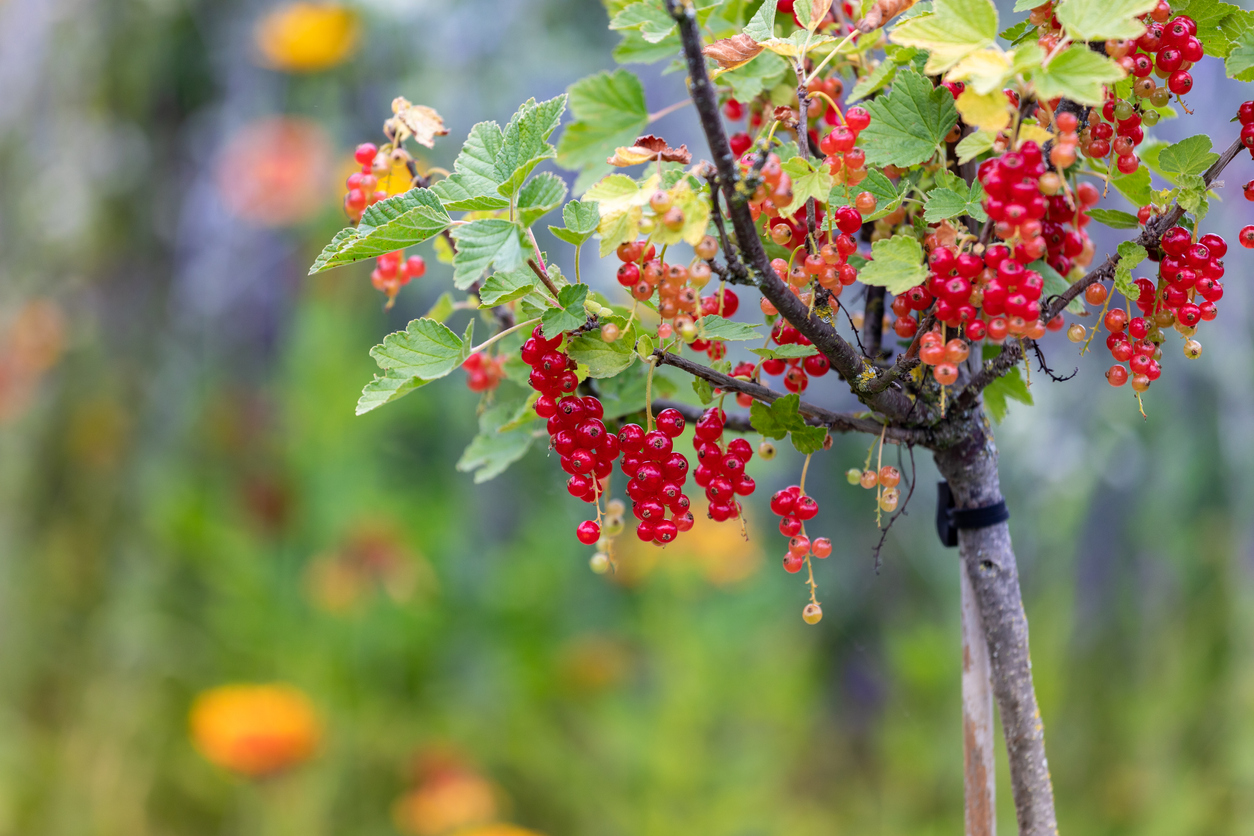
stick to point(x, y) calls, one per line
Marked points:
point(804, 469)
point(668, 110)
point(504, 333)
point(648, 394)
point(835, 50)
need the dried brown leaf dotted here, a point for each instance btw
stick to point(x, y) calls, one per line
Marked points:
point(734, 52)
point(882, 12)
point(417, 121)
point(649, 148)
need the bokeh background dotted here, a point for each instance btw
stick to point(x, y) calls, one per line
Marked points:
point(187, 502)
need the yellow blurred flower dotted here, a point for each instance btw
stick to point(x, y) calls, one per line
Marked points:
point(255, 730)
point(721, 553)
point(307, 37)
point(498, 830)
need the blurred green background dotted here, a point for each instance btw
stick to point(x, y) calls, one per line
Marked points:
point(187, 500)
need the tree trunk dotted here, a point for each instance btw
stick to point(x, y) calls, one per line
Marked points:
point(971, 470)
point(979, 777)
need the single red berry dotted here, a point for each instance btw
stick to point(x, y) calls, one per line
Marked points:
point(670, 422)
point(857, 118)
point(1246, 236)
point(588, 531)
point(365, 153)
point(793, 563)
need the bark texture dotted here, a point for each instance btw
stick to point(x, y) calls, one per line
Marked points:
point(971, 470)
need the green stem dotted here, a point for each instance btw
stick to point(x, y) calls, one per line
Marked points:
point(504, 333)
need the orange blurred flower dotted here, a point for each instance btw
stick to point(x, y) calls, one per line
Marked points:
point(374, 555)
point(307, 37)
point(31, 344)
point(276, 171)
point(449, 797)
point(255, 730)
point(498, 830)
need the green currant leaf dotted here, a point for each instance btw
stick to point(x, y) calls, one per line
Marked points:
point(705, 392)
point(714, 327)
point(908, 124)
point(1188, 156)
point(473, 184)
point(762, 73)
point(507, 286)
point(955, 200)
point(1079, 74)
point(1240, 61)
point(761, 27)
point(954, 30)
point(571, 313)
point(1098, 20)
point(539, 196)
point(501, 441)
point(776, 420)
point(609, 111)
point(808, 439)
point(1131, 254)
point(1219, 25)
point(973, 145)
point(649, 17)
point(634, 49)
point(1009, 386)
point(602, 359)
point(482, 243)
point(896, 264)
point(807, 182)
point(1135, 186)
point(1114, 219)
point(623, 394)
point(526, 144)
point(426, 350)
point(785, 352)
point(582, 218)
point(392, 224)
point(442, 309)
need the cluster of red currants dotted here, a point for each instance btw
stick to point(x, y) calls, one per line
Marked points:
point(1245, 115)
point(1116, 128)
point(797, 371)
point(391, 273)
point(576, 431)
point(656, 474)
point(363, 186)
point(1168, 49)
point(846, 163)
point(483, 373)
point(1189, 286)
point(942, 356)
point(721, 469)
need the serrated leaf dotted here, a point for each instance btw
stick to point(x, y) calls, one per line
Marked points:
point(1114, 218)
point(973, 145)
point(984, 71)
point(696, 210)
point(644, 346)
point(648, 17)
point(1009, 386)
point(507, 286)
point(1131, 254)
point(776, 420)
point(426, 348)
point(808, 439)
point(1015, 32)
point(609, 111)
point(761, 27)
point(1056, 284)
point(811, 12)
point(473, 184)
point(582, 218)
point(385, 388)
point(1240, 61)
point(539, 196)
point(482, 244)
point(873, 82)
point(571, 313)
point(495, 448)
point(526, 144)
point(389, 225)
point(896, 264)
point(619, 199)
point(1188, 156)
point(807, 182)
point(602, 359)
point(634, 49)
point(1078, 74)
point(796, 45)
point(714, 327)
point(1098, 20)
point(785, 352)
point(988, 112)
point(909, 123)
point(944, 203)
point(954, 30)
point(1219, 25)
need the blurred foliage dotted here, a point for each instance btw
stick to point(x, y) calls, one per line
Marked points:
point(187, 501)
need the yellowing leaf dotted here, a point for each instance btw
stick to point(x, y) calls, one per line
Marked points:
point(953, 31)
point(306, 37)
point(1096, 20)
point(417, 121)
point(796, 45)
point(988, 112)
point(983, 71)
point(696, 209)
point(1030, 131)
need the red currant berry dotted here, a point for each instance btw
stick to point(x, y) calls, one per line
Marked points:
point(793, 564)
point(588, 532)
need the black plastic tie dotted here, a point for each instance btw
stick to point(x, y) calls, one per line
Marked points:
point(951, 520)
